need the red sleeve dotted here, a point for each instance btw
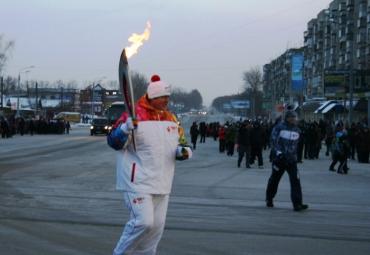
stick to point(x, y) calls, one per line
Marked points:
point(121, 120)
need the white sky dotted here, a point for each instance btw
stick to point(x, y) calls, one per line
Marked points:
point(203, 44)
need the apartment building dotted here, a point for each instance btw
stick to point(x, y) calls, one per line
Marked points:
point(337, 48)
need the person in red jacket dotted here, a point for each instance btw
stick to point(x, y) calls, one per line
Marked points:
point(221, 139)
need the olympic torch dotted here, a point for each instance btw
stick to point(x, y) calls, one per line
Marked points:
point(124, 72)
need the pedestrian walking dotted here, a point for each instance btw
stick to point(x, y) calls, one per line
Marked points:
point(301, 140)
point(194, 132)
point(257, 142)
point(244, 143)
point(145, 170)
point(203, 132)
point(340, 153)
point(284, 141)
point(221, 139)
point(31, 127)
point(352, 134)
point(363, 144)
point(329, 137)
point(21, 125)
point(4, 126)
point(68, 127)
point(230, 136)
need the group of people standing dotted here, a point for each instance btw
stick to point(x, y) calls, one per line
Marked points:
point(12, 126)
point(290, 141)
point(252, 137)
point(249, 138)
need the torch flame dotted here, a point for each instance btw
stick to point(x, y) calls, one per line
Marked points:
point(137, 40)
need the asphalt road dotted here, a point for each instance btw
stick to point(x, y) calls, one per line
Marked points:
point(57, 196)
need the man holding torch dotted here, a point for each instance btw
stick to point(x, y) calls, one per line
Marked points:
point(147, 148)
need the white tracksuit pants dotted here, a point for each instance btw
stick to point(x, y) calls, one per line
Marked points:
point(144, 229)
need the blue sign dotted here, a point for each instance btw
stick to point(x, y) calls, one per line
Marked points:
point(297, 72)
point(240, 104)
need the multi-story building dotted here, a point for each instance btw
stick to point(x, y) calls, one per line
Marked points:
point(96, 99)
point(336, 60)
point(337, 50)
point(278, 79)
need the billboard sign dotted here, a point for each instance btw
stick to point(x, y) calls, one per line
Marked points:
point(240, 104)
point(335, 83)
point(297, 72)
point(227, 106)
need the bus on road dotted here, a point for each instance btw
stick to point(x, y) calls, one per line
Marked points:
point(68, 116)
point(115, 111)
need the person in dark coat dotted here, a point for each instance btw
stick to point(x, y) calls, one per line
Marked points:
point(203, 132)
point(215, 128)
point(329, 137)
point(244, 143)
point(4, 126)
point(230, 136)
point(21, 125)
point(194, 132)
point(284, 142)
point(363, 145)
point(67, 127)
point(352, 133)
point(257, 142)
point(31, 127)
point(341, 151)
point(301, 126)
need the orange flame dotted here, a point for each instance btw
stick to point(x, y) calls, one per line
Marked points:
point(138, 40)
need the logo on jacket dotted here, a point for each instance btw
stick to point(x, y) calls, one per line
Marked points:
point(138, 200)
point(171, 128)
point(289, 135)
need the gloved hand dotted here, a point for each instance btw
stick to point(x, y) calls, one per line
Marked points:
point(128, 126)
point(279, 154)
point(279, 160)
point(183, 152)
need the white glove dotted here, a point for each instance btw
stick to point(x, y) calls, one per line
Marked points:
point(128, 126)
point(183, 152)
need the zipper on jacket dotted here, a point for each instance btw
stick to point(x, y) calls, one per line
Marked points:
point(133, 172)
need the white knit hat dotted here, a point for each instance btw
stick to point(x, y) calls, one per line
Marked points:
point(158, 88)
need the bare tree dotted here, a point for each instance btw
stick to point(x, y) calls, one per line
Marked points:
point(253, 81)
point(139, 83)
point(72, 84)
point(5, 48)
point(112, 84)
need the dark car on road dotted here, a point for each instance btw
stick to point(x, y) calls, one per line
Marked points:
point(99, 126)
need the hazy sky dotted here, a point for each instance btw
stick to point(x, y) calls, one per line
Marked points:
point(203, 44)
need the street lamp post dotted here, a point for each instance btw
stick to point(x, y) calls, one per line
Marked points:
point(1, 91)
point(92, 101)
point(23, 70)
point(351, 80)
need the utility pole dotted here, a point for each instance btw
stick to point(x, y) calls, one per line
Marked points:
point(2, 91)
point(37, 95)
point(92, 101)
point(351, 79)
point(61, 98)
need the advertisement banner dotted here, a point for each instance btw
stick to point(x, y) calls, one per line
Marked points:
point(335, 83)
point(240, 104)
point(297, 72)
